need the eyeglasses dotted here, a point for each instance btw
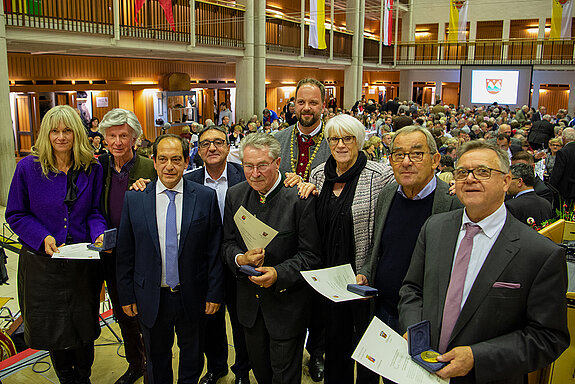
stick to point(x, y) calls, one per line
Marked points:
point(262, 167)
point(219, 143)
point(480, 173)
point(416, 157)
point(333, 141)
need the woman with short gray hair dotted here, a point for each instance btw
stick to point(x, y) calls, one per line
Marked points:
point(348, 186)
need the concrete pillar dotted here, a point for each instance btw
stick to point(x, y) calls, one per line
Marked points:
point(352, 77)
point(505, 38)
point(438, 90)
point(411, 35)
point(535, 95)
point(472, 37)
point(245, 67)
point(405, 85)
point(361, 42)
point(571, 102)
point(259, 55)
point(7, 160)
point(540, 38)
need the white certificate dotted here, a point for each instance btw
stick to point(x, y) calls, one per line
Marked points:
point(79, 251)
point(384, 351)
point(255, 233)
point(332, 282)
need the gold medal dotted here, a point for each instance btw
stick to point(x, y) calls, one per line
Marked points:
point(429, 356)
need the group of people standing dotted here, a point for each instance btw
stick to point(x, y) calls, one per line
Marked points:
point(497, 306)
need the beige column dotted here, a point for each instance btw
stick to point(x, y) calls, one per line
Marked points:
point(259, 55)
point(245, 68)
point(352, 83)
point(7, 149)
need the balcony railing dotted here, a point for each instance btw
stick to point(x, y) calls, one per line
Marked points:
point(216, 22)
point(284, 35)
point(519, 51)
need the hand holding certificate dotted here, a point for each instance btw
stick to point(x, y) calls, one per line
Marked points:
point(333, 282)
point(255, 233)
point(385, 352)
point(79, 251)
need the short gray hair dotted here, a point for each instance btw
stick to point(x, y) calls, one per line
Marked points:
point(568, 134)
point(346, 123)
point(119, 116)
point(414, 128)
point(261, 141)
point(482, 144)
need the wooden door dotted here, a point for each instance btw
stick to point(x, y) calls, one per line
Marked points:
point(27, 122)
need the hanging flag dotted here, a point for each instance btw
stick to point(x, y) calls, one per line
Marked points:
point(387, 22)
point(166, 6)
point(561, 19)
point(457, 21)
point(317, 25)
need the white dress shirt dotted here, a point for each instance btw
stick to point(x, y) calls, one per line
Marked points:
point(314, 132)
point(221, 187)
point(491, 227)
point(162, 201)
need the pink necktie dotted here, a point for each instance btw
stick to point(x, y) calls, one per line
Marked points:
point(452, 305)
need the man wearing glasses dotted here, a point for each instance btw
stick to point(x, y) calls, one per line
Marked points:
point(273, 307)
point(402, 208)
point(493, 290)
point(219, 174)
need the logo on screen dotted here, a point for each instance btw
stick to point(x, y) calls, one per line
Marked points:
point(493, 85)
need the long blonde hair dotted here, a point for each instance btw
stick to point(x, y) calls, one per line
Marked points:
point(82, 153)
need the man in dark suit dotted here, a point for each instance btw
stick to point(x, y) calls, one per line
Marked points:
point(493, 290)
point(273, 307)
point(541, 189)
point(538, 115)
point(563, 177)
point(504, 142)
point(541, 132)
point(402, 208)
point(525, 205)
point(168, 266)
point(219, 175)
point(392, 105)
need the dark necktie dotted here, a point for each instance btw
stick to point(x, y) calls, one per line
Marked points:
point(171, 250)
point(454, 296)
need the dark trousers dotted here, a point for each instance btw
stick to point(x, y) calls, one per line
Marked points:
point(315, 345)
point(129, 326)
point(216, 341)
point(73, 366)
point(344, 326)
point(159, 341)
point(274, 361)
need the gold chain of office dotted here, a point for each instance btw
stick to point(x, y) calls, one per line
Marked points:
point(295, 161)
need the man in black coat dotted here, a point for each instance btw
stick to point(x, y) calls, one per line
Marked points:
point(563, 177)
point(392, 105)
point(273, 307)
point(525, 205)
point(541, 132)
point(541, 189)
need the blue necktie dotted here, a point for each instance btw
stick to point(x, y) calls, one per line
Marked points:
point(172, 276)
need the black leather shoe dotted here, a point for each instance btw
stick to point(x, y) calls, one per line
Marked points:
point(213, 377)
point(130, 377)
point(242, 380)
point(315, 366)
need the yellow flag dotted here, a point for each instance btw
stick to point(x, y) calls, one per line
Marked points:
point(561, 19)
point(317, 26)
point(457, 21)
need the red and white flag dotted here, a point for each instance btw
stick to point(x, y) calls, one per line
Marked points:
point(387, 22)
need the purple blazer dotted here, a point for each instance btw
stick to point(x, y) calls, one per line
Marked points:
point(36, 206)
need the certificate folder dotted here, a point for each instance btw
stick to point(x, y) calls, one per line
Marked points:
point(418, 343)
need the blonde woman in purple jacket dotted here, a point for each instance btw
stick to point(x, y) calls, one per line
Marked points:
point(54, 200)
